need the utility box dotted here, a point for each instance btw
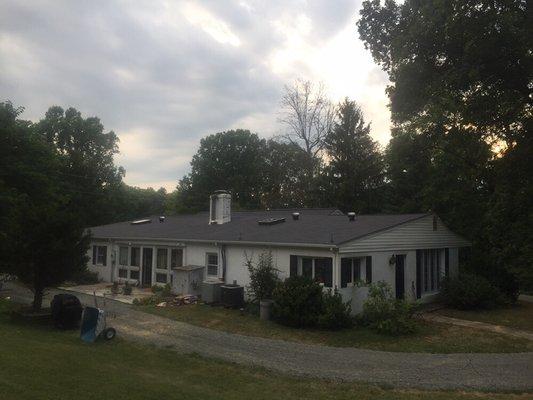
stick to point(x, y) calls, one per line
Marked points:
point(211, 291)
point(187, 279)
point(232, 296)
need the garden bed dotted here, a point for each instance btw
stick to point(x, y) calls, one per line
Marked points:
point(430, 337)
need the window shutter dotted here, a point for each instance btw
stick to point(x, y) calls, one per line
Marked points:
point(446, 262)
point(418, 274)
point(369, 269)
point(294, 266)
point(94, 255)
point(104, 248)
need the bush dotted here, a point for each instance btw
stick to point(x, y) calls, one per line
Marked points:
point(162, 291)
point(301, 302)
point(85, 277)
point(263, 277)
point(467, 291)
point(127, 289)
point(335, 314)
point(386, 314)
point(297, 302)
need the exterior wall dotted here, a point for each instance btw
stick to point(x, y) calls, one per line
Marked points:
point(417, 234)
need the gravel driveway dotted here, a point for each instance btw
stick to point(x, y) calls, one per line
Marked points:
point(433, 371)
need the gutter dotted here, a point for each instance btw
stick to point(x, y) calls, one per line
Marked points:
point(214, 241)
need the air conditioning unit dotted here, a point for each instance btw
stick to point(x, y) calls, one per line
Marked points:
point(211, 291)
point(232, 296)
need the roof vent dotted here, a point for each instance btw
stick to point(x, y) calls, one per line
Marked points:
point(141, 221)
point(296, 216)
point(351, 216)
point(162, 218)
point(271, 221)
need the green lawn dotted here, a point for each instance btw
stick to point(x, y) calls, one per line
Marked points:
point(39, 363)
point(519, 316)
point(431, 338)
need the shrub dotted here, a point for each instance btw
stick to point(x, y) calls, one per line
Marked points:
point(386, 314)
point(127, 289)
point(263, 277)
point(297, 302)
point(335, 314)
point(162, 291)
point(85, 277)
point(467, 291)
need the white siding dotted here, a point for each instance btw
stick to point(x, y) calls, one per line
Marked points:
point(417, 234)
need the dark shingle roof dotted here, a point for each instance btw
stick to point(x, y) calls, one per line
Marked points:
point(315, 226)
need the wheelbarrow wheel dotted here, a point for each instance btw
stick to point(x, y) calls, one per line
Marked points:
point(109, 333)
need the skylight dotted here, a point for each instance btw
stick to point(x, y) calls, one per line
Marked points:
point(141, 221)
point(271, 221)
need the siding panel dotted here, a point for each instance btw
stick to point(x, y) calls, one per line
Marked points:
point(418, 234)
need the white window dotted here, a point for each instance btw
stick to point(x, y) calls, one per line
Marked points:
point(100, 255)
point(431, 270)
point(123, 255)
point(176, 258)
point(212, 264)
point(350, 271)
point(162, 258)
point(135, 259)
point(319, 269)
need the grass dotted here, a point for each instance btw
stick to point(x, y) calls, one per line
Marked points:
point(37, 362)
point(519, 316)
point(431, 337)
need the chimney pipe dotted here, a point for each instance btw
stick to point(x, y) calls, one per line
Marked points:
point(351, 216)
point(296, 216)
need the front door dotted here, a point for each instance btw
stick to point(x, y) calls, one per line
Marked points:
point(400, 283)
point(147, 266)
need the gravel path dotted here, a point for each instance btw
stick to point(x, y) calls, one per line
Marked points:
point(434, 371)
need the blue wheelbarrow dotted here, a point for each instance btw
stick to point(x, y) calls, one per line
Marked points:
point(94, 325)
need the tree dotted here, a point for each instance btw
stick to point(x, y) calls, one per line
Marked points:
point(42, 236)
point(308, 116)
point(461, 85)
point(89, 172)
point(231, 160)
point(355, 163)
point(285, 182)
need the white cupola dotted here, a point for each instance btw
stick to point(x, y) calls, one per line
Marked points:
point(220, 207)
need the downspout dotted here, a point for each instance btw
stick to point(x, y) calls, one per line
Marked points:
point(223, 256)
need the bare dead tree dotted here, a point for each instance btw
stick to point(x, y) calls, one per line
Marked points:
point(308, 115)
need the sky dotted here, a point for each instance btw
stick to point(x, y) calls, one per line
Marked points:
point(164, 74)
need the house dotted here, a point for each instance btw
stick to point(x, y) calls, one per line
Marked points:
point(411, 252)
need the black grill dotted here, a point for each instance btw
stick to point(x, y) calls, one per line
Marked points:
point(66, 311)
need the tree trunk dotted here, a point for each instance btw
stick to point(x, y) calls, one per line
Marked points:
point(38, 299)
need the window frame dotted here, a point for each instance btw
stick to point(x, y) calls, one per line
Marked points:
point(97, 252)
point(355, 265)
point(431, 270)
point(208, 264)
point(120, 254)
point(180, 258)
point(313, 260)
point(138, 248)
point(167, 264)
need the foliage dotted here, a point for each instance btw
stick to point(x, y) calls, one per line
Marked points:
point(232, 160)
point(467, 291)
point(301, 302)
point(297, 302)
point(355, 170)
point(335, 314)
point(85, 277)
point(263, 277)
point(127, 289)
point(42, 235)
point(462, 119)
point(386, 314)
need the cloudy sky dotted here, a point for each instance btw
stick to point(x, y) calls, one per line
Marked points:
point(163, 74)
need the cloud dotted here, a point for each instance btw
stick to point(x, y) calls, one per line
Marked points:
point(163, 74)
